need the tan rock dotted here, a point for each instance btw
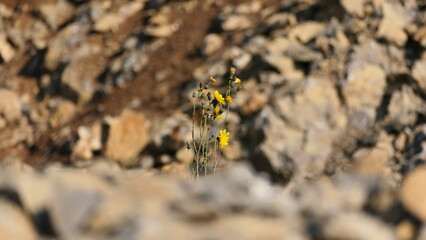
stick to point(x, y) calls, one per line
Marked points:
point(357, 226)
point(354, 7)
point(236, 22)
point(63, 113)
point(374, 161)
point(254, 103)
point(88, 142)
point(127, 136)
point(420, 36)
point(395, 18)
point(365, 87)
point(34, 191)
point(74, 197)
point(405, 230)
point(62, 48)
point(81, 74)
point(57, 13)
point(404, 107)
point(109, 22)
point(212, 43)
point(10, 105)
point(305, 31)
point(6, 50)
point(413, 193)
point(286, 67)
point(14, 224)
point(184, 155)
point(419, 72)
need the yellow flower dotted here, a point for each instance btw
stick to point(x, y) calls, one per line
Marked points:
point(223, 138)
point(217, 113)
point(228, 98)
point(212, 79)
point(219, 97)
point(237, 80)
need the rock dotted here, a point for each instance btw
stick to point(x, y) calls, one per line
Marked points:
point(403, 108)
point(81, 76)
point(374, 161)
point(242, 61)
point(307, 123)
point(395, 18)
point(161, 26)
point(127, 136)
point(405, 231)
point(184, 155)
point(369, 52)
point(236, 22)
point(354, 7)
point(420, 36)
point(14, 224)
point(305, 31)
point(357, 226)
point(301, 53)
point(212, 43)
point(74, 199)
point(108, 22)
point(88, 142)
point(364, 88)
point(63, 113)
point(277, 46)
point(57, 13)
point(413, 195)
point(255, 101)
point(285, 66)
point(10, 105)
point(6, 50)
point(5, 11)
point(114, 214)
point(419, 72)
point(63, 47)
point(33, 189)
point(112, 20)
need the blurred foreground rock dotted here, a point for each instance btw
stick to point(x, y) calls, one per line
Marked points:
point(85, 204)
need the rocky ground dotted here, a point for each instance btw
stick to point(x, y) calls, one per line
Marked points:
point(327, 133)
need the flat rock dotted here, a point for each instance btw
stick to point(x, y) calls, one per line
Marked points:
point(413, 194)
point(127, 136)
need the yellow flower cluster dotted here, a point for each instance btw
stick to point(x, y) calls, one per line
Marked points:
point(223, 138)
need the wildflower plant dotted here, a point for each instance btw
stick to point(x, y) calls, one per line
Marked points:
point(210, 111)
